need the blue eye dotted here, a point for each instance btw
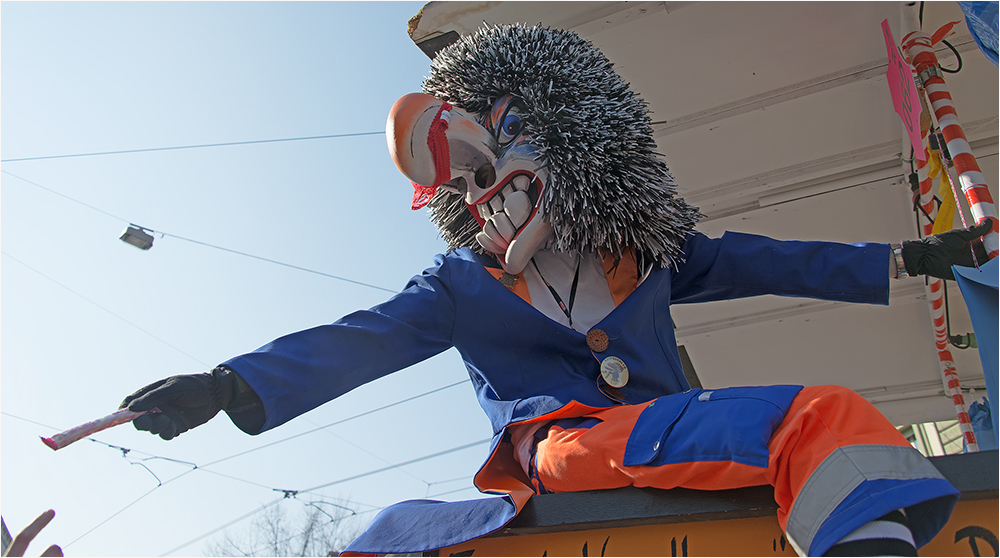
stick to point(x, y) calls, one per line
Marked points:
point(511, 127)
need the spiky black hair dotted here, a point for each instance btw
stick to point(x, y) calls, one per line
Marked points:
point(607, 189)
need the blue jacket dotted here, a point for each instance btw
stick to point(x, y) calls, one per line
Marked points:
point(524, 365)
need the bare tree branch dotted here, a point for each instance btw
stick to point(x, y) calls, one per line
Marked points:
point(311, 531)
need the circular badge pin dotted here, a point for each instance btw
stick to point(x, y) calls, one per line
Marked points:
point(614, 372)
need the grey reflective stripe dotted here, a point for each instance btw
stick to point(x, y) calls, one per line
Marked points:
point(795, 546)
point(843, 471)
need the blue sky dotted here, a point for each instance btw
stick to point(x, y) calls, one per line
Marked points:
point(86, 319)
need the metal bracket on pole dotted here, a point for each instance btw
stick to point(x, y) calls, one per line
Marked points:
point(929, 72)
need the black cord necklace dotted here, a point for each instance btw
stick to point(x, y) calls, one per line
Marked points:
point(555, 295)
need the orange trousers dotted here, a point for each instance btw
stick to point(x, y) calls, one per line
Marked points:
point(802, 449)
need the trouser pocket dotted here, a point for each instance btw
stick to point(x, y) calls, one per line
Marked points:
point(730, 424)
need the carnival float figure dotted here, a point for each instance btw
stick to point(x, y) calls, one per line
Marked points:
point(567, 246)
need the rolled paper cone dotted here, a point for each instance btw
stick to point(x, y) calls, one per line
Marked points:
point(63, 439)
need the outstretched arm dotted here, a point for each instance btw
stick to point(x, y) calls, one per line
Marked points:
point(300, 371)
point(741, 265)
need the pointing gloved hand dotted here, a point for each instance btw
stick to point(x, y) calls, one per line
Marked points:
point(192, 400)
point(936, 254)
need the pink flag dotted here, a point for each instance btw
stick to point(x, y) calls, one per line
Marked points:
point(905, 97)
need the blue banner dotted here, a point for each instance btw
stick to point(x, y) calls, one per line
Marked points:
point(979, 288)
point(981, 17)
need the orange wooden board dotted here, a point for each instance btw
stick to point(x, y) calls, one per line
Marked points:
point(971, 531)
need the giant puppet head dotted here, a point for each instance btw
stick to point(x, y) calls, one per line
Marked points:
point(524, 138)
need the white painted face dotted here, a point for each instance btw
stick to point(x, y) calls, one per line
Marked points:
point(492, 165)
point(507, 208)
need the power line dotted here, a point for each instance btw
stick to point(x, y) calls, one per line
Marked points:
point(217, 529)
point(288, 493)
point(194, 466)
point(162, 234)
point(359, 415)
point(271, 503)
point(200, 146)
point(263, 546)
point(363, 284)
point(276, 442)
point(463, 489)
point(60, 194)
point(204, 468)
point(133, 502)
point(448, 481)
point(52, 428)
point(363, 450)
point(299, 435)
point(125, 451)
point(397, 465)
point(160, 483)
point(114, 515)
point(106, 310)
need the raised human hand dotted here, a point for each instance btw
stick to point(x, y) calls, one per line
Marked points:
point(20, 543)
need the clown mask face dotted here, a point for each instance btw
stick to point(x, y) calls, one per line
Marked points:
point(489, 162)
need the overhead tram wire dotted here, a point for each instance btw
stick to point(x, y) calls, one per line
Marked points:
point(223, 526)
point(207, 365)
point(199, 146)
point(114, 515)
point(365, 413)
point(261, 258)
point(457, 490)
point(294, 436)
point(60, 194)
point(192, 357)
point(347, 479)
point(343, 440)
point(398, 465)
point(286, 492)
point(237, 252)
point(359, 415)
point(195, 358)
point(299, 435)
point(162, 483)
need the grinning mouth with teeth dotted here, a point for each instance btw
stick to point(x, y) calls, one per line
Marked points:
point(506, 210)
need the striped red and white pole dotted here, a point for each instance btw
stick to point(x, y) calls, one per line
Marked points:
point(918, 48)
point(954, 389)
point(935, 287)
point(935, 295)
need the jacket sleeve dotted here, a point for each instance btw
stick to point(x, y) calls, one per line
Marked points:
point(300, 371)
point(741, 265)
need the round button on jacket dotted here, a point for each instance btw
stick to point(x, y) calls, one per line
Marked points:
point(597, 340)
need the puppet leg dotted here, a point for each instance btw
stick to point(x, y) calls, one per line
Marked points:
point(836, 463)
point(840, 464)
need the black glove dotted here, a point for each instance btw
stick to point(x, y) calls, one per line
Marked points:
point(936, 254)
point(192, 400)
